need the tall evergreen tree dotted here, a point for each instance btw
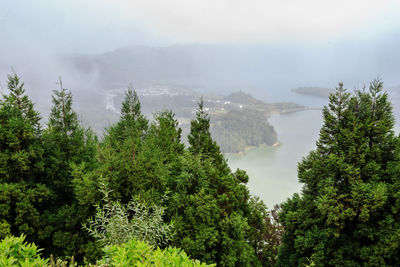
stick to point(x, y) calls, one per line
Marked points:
point(21, 163)
point(200, 141)
point(158, 159)
point(132, 123)
point(66, 143)
point(211, 206)
point(118, 152)
point(345, 215)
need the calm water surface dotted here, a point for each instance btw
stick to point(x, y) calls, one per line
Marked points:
point(273, 170)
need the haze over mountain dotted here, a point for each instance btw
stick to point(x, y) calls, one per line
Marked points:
point(246, 47)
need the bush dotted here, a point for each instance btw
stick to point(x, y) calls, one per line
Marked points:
point(138, 253)
point(116, 223)
point(15, 252)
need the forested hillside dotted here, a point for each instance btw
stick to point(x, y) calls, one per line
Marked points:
point(236, 130)
point(227, 113)
point(140, 175)
point(138, 195)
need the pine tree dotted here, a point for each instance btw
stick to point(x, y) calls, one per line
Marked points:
point(345, 214)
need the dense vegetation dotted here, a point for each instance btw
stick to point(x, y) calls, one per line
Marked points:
point(17, 252)
point(52, 181)
point(238, 129)
point(238, 120)
point(139, 196)
point(348, 213)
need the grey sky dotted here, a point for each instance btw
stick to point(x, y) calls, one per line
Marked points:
point(277, 45)
point(94, 26)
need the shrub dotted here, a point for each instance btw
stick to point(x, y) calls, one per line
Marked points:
point(15, 252)
point(138, 253)
point(116, 223)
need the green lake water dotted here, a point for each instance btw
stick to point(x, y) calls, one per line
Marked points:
point(273, 170)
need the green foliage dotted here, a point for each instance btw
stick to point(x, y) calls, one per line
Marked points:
point(346, 214)
point(49, 182)
point(119, 152)
point(20, 145)
point(15, 252)
point(266, 231)
point(66, 144)
point(238, 129)
point(22, 193)
point(20, 206)
point(138, 253)
point(210, 205)
point(199, 138)
point(115, 223)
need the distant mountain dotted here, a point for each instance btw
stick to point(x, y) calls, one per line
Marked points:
point(141, 65)
point(314, 91)
point(259, 67)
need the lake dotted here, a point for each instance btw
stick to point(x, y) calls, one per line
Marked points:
point(273, 170)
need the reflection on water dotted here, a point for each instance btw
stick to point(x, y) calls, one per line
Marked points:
point(273, 170)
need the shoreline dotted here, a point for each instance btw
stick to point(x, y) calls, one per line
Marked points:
point(248, 148)
point(277, 143)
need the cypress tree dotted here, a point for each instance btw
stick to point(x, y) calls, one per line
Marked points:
point(200, 141)
point(211, 206)
point(66, 143)
point(22, 195)
point(345, 215)
point(119, 150)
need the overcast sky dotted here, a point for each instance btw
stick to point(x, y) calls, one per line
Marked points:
point(95, 26)
point(282, 43)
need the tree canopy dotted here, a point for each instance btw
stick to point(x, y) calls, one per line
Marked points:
point(348, 212)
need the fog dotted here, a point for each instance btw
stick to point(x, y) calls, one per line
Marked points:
point(265, 48)
point(43, 40)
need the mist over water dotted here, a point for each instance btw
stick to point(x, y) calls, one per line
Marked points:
point(273, 170)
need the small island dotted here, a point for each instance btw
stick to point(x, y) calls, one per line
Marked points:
point(314, 91)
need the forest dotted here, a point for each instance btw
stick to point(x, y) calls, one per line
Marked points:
point(138, 196)
point(236, 130)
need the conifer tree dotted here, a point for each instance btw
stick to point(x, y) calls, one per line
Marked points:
point(21, 155)
point(200, 140)
point(66, 143)
point(22, 194)
point(345, 215)
point(132, 123)
point(211, 206)
point(158, 159)
point(119, 150)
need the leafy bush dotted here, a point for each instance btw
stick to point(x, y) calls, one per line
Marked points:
point(116, 223)
point(15, 252)
point(138, 253)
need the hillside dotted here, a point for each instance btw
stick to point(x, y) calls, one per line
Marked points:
point(314, 91)
point(237, 121)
